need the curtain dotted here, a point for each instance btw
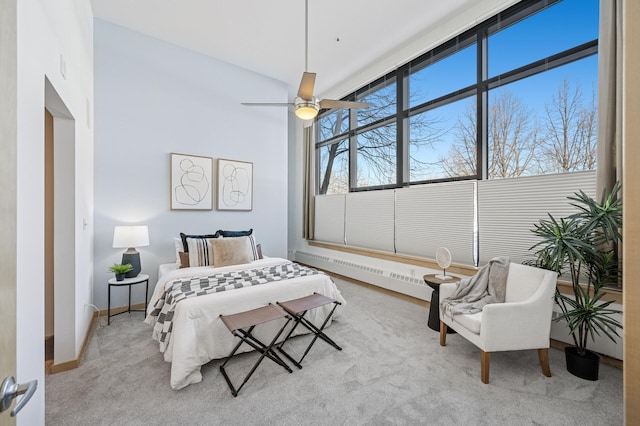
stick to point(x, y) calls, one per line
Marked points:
point(609, 163)
point(309, 187)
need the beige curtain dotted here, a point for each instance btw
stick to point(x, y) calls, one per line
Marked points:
point(609, 168)
point(309, 187)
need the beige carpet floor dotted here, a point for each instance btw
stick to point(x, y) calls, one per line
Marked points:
point(392, 371)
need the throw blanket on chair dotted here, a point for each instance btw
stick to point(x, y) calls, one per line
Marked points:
point(488, 285)
point(197, 286)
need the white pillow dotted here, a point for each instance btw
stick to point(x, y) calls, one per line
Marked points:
point(179, 247)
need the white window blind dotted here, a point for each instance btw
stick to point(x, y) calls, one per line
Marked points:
point(436, 215)
point(508, 209)
point(329, 225)
point(369, 220)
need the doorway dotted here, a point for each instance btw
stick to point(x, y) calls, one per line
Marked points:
point(60, 229)
point(49, 340)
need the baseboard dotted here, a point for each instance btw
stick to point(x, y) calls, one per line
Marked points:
point(74, 363)
point(52, 368)
point(121, 309)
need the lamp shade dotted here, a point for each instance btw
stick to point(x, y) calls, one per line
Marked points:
point(306, 109)
point(130, 236)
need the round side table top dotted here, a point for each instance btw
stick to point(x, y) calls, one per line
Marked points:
point(434, 282)
point(133, 280)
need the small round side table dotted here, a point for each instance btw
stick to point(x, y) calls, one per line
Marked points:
point(128, 282)
point(434, 309)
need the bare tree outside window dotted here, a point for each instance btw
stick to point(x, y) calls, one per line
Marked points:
point(375, 148)
point(513, 137)
point(512, 140)
point(462, 156)
point(570, 132)
point(520, 143)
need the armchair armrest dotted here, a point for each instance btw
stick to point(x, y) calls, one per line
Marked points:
point(446, 290)
point(516, 325)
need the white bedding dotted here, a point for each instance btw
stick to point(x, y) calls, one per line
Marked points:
point(198, 334)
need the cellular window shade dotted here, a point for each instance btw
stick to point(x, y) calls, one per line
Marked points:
point(369, 220)
point(329, 224)
point(508, 209)
point(436, 215)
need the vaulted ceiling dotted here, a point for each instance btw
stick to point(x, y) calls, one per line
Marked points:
point(267, 36)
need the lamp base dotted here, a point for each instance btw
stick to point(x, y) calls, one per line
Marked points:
point(132, 256)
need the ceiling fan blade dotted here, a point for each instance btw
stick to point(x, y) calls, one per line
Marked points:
point(330, 103)
point(306, 85)
point(267, 104)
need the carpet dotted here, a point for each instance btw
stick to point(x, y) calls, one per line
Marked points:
point(391, 371)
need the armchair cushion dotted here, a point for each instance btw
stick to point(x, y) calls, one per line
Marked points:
point(471, 322)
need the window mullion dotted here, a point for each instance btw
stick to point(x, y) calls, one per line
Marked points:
point(482, 105)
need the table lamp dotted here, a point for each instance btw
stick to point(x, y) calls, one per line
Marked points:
point(131, 237)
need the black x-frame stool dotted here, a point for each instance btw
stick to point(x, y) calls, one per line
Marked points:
point(241, 325)
point(298, 308)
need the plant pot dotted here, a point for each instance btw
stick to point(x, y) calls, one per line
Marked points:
point(586, 367)
point(120, 277)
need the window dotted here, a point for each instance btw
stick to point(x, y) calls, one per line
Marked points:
point(563, 26)
point(442, 142)
point(334, 167)
point(376, 156)
point(513, 96)
point(443, 77)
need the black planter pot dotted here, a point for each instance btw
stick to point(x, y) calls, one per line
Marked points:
point(120, 277)
point(586, 367)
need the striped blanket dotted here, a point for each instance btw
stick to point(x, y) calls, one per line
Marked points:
point(186, 288)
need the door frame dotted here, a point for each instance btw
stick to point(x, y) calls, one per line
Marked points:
point(8, 191)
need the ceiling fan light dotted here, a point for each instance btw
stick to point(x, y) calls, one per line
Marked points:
point(306, 110)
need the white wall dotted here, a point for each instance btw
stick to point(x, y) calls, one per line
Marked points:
point(47, 32)
point(153, 98)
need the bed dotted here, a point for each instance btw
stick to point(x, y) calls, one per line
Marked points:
point(197, 335)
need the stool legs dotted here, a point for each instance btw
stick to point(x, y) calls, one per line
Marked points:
point(318, 332)
point(265, 351)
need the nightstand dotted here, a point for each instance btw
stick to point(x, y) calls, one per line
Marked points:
point(141, 278)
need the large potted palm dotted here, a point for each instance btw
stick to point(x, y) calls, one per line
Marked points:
point(583, 247)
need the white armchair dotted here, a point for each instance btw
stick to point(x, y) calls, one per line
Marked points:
point(523, 321)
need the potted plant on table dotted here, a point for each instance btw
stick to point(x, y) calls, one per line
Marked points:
point(584, 244)
point(120, 270)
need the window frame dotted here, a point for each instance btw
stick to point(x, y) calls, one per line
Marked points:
point(479, 35)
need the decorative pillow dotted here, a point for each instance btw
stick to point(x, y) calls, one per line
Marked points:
point(183, 237)
point(231, 251)
point(200, 251)
point(253, 248)
point(231, 234)
point(184, 259)
point(259, 250)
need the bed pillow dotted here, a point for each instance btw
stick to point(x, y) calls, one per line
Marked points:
point(259, 250)
point(230, 251)
point(183, 237)
point(200, 251)
point(177, 242)
point(184, 259)
point(231, 234)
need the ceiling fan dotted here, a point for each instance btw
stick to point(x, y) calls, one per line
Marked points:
point(306, 106)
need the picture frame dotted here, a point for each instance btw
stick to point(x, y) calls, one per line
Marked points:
point(235, 185)
point(191, 182)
